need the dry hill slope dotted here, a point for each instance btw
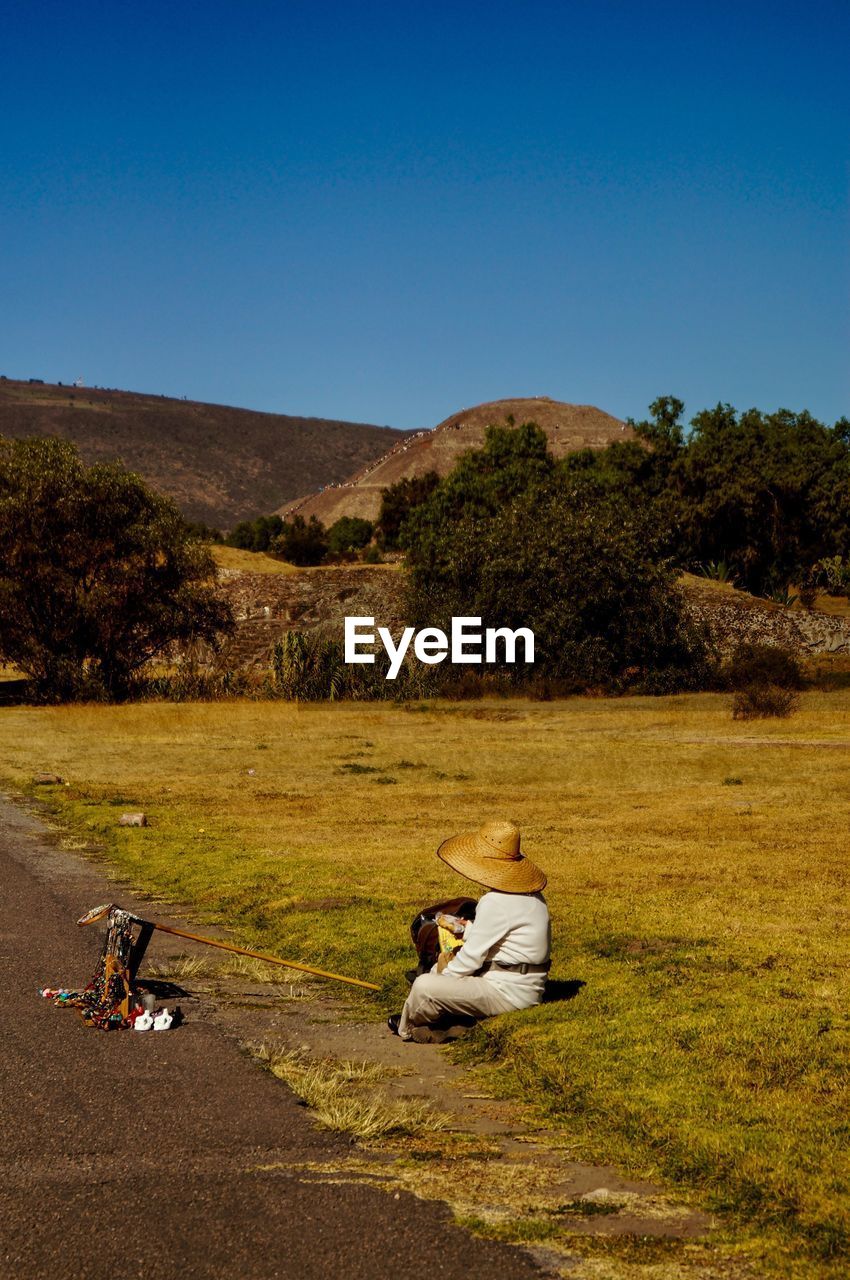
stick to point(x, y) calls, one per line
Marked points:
point(220, 464)
point(568, 426)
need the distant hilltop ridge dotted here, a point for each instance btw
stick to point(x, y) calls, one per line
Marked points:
point(568, 427)
point(220, 464)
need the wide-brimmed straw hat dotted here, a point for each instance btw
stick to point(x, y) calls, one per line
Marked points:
point(491, 856)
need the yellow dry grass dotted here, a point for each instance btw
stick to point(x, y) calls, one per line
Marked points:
point(238, 560)
point(698, 880)
point(837, 606)
point(333, 1090)
point(248, 561)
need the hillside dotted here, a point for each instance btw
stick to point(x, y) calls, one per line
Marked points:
point(568, 426)
point(220, 464)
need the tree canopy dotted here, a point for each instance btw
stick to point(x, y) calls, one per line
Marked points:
point(302, 542)
point(768, 494)
point(255, 535)
point(98, 574)
point(513, 537)
point(397, 502)
point(349, 533)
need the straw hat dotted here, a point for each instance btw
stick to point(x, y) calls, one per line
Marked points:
point(491, 856)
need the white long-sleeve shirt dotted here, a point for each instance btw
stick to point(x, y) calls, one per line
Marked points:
point(511, 928)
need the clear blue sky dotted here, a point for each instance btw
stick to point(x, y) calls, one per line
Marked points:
point(389, 211)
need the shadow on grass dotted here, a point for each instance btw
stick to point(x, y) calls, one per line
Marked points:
point(558, 989)
point(14, 693)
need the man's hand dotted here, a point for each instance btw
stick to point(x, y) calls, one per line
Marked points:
point(454, 924)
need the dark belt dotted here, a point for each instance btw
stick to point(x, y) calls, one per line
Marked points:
point(525, 967)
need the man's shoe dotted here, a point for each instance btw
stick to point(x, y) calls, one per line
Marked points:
point(428, 1035)
point(439, 1034)
point(392, 1022)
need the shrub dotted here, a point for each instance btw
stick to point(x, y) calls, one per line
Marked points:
point(717, 571)
point(309, 666)
point(765, 664)
point(302, 543)
point(255, 535)
point(203, 532)
point(349, 533)
point(190, 683)
point(547, 688)
point(832, 574)
point(464, 685)
point(241, 536)
point(763, 702)
point(808, 589)
point(783, 595)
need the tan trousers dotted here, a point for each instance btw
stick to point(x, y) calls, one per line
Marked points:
point(434, 995)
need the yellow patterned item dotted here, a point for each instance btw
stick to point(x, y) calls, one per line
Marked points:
point(448, 941)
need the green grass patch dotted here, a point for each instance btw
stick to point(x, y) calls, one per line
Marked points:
point(701, 1032)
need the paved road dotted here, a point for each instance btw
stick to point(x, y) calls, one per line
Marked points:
point(129, 1156)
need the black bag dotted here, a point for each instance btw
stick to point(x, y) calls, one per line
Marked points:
point(424, 932)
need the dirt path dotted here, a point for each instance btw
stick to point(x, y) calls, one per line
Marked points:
point(147, 1156)
point(191, 1160)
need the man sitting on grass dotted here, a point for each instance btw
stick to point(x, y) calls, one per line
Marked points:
point(504, 959)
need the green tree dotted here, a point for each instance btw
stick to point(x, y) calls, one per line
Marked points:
point(397, 502)
point(349, 533)
point(664, 430)
point(768, 493)
point(203, 532)
point(642, 470)
point(266, 529)
point(302, 542)
point(512, 538)
point(512, 461)
point(98, 574)
point(255, 535)
point(241, 536)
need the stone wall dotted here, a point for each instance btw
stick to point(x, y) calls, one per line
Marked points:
point(733, 617)
point(268, 605)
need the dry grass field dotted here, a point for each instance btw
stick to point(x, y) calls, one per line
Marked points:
point(698, 885)
point(235, 558)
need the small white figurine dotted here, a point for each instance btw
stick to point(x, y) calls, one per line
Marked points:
point(144, 1022)
point(163, 1020)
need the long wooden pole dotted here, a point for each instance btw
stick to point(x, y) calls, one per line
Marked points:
point(258, 955)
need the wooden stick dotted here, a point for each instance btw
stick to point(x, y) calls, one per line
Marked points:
point(258, 955)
